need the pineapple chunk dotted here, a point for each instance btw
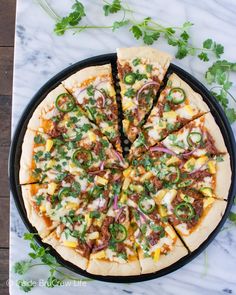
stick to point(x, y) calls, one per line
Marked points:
point(126, 183)
point(212, 167)
point(207, 202)
point(125, 124)
point(51, 188)
point(123, 198)
point(170, 115)
point(189, 165)
point(146, 176)
point(157, 253)
point(127, 172)
point(49, 145)
point(172, 160)
point(71, 205)
point(70, 244)
point(91, 136)
point(162, 211)
point(42, 208)
point(51, 163)
point(201, 161)
point(137, 188)
point(159, 196)
point(88, 220)
point(100, 180)
point(170, 232)
point(98, 255)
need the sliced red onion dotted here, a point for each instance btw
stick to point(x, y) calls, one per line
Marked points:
point(102, 95)
point(119, 157)
point(81, 90)
point(100, 247)
point(145, 86)
point(142, 215)
point(162, 149)
point(115, 205)
point(102, 166)
point(119, 213)
point(188, 153)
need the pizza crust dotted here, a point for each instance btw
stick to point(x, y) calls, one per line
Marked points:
point(223, 178)
point(110, 268)
point(37, 221)
point(194, 98)
point(207, 225)
point(151, 54)
point(148, 265)
point(215, 132)
point(46, 109)
point(26, 159)
point(85, 74)
point(66, 253)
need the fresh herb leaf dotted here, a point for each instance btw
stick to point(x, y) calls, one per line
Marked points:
point(113, 7)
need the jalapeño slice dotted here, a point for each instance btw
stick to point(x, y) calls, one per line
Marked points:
point(129, 78)
point(65, 102)
point(146, 204)
point(177, 95)
point(64, 192)
point(184, 211)
point(194, 138)
point(82, 157)
point(118, 232)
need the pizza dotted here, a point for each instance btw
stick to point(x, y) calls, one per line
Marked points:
point(116, 215)
point(141, 71)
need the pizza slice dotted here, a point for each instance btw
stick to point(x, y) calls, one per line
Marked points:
point(156, 241)
point(93, 90)
point(200, 137)
point(177, 105)
point(114, 252)
point(46, 158)
point(192, 214)
point(141, 71)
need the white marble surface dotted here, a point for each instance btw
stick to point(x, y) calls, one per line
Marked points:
point(39, 55)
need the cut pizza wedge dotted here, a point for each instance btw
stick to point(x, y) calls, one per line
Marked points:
point(200, 137)
point(192, 214)
point(114, 252)
point(46, 158)
point(177, 105)
point(156, 241)
point(141, 71)
point(93, 90)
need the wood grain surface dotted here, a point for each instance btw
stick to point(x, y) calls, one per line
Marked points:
point(7, 27)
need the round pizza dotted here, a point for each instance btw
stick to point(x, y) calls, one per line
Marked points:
point(111, 214)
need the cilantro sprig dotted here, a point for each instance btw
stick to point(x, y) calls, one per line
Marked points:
point(150, 31)
point(40, 256)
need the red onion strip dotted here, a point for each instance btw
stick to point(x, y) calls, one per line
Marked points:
point(115, 205)
point(143, 88)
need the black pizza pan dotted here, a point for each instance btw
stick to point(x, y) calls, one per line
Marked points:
point(15, 153)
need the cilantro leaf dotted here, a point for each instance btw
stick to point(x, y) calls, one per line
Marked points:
point(118, 24)
point(203, 56)
point(150, 38)
point(232, 217)
point(231, 115)
point(137, 32)
point(25, 285)
point(114, 7)
point(21, 267)
point(207, 44)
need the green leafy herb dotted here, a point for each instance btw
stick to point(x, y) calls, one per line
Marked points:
point(114, 7)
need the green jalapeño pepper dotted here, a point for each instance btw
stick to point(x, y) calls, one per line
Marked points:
point(118, 232)
point(173, 175)
point(177, 95)
point(194, 138)
point(82, 157)
point(184, 211)
point(146, 204)
point(129, 78)
point(65, 103)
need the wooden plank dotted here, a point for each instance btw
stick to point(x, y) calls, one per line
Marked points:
point(6, 70)
point(4, 271)
point(4, 191)
point(4, 222)
point(7, 22)
point(5, 122)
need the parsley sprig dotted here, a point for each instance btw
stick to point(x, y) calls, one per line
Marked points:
point(40, 256)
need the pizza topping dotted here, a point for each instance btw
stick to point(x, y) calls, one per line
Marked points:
point(82, 157)
point(146, 85)
point(206, 191)
point(176, 95)
point(118, 232)
point(129, 78)
point(146, 204)
point(65, 102)
point(174, 174)
point(184, 211)
point(194, 138)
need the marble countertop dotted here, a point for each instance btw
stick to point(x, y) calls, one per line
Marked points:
point(39, 55)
